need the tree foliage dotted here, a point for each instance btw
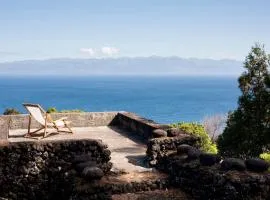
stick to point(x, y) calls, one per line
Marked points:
point(248, 128)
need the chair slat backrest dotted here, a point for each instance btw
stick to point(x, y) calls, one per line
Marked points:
point(36, 112)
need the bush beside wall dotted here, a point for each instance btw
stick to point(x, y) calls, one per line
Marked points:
point(198, 130)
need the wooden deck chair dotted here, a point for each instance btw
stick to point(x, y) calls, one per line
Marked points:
point(45, 120)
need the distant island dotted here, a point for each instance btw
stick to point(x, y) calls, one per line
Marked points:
point(153, 65)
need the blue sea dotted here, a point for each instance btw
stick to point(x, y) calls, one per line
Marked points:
point(162, 99)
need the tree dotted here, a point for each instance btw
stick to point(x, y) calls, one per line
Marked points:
point(248, 128)
point(214, 125)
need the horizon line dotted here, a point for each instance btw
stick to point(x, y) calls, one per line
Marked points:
point(122, 57)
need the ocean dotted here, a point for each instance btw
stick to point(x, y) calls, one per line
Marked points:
point(163, 99)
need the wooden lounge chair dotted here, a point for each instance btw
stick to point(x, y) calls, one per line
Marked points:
point(45, 120)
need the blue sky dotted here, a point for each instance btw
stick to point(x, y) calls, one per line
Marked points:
point(35, 29)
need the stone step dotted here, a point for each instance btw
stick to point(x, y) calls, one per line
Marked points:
point(167, 194)
point(122, 184)
point(134, 182)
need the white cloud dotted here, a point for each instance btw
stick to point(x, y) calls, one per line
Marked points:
point(109, 51)
point(103, 51)
point(89, 51)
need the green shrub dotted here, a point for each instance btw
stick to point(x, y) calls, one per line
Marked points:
point(11, 111)
point(265, 156)
point(198, 130)
point(52, 110)
point(72, 111)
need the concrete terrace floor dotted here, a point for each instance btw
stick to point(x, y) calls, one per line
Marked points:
point(127, 151)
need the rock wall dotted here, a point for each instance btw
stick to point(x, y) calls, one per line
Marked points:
point(50, 169)
point(4, 124)
point(210, 182)
point(207, 177)
point(136, 124)
point(157, 148)
point(85, 119)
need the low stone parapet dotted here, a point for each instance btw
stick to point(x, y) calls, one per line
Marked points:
point(83, 119)
point(157, 148)
point(205, 182)
point(206, 178)
point(49, 169)
point(136, 124)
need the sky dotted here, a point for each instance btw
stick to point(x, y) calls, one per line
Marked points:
point(35, 29)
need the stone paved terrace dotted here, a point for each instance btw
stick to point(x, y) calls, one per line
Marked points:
point(126, 134)
point(127, 150)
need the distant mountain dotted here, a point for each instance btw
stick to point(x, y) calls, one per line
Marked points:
point(123, 66)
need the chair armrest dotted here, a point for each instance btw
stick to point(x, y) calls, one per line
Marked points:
point(48, 117)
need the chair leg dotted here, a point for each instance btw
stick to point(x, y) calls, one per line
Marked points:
point(69, 129)
point(29, 125)
point(36, 130)
point(45, 128)
point(31, 134)
point(67, 126)
point(45, 132)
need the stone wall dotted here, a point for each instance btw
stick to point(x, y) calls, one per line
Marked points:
point(50, 169)
point(4, 124)
point(136, 124)
point(85, 119)
point(206, 176)
point(210, 182)
point(157, 148)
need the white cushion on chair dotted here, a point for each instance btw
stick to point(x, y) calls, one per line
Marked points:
point(59, 123)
